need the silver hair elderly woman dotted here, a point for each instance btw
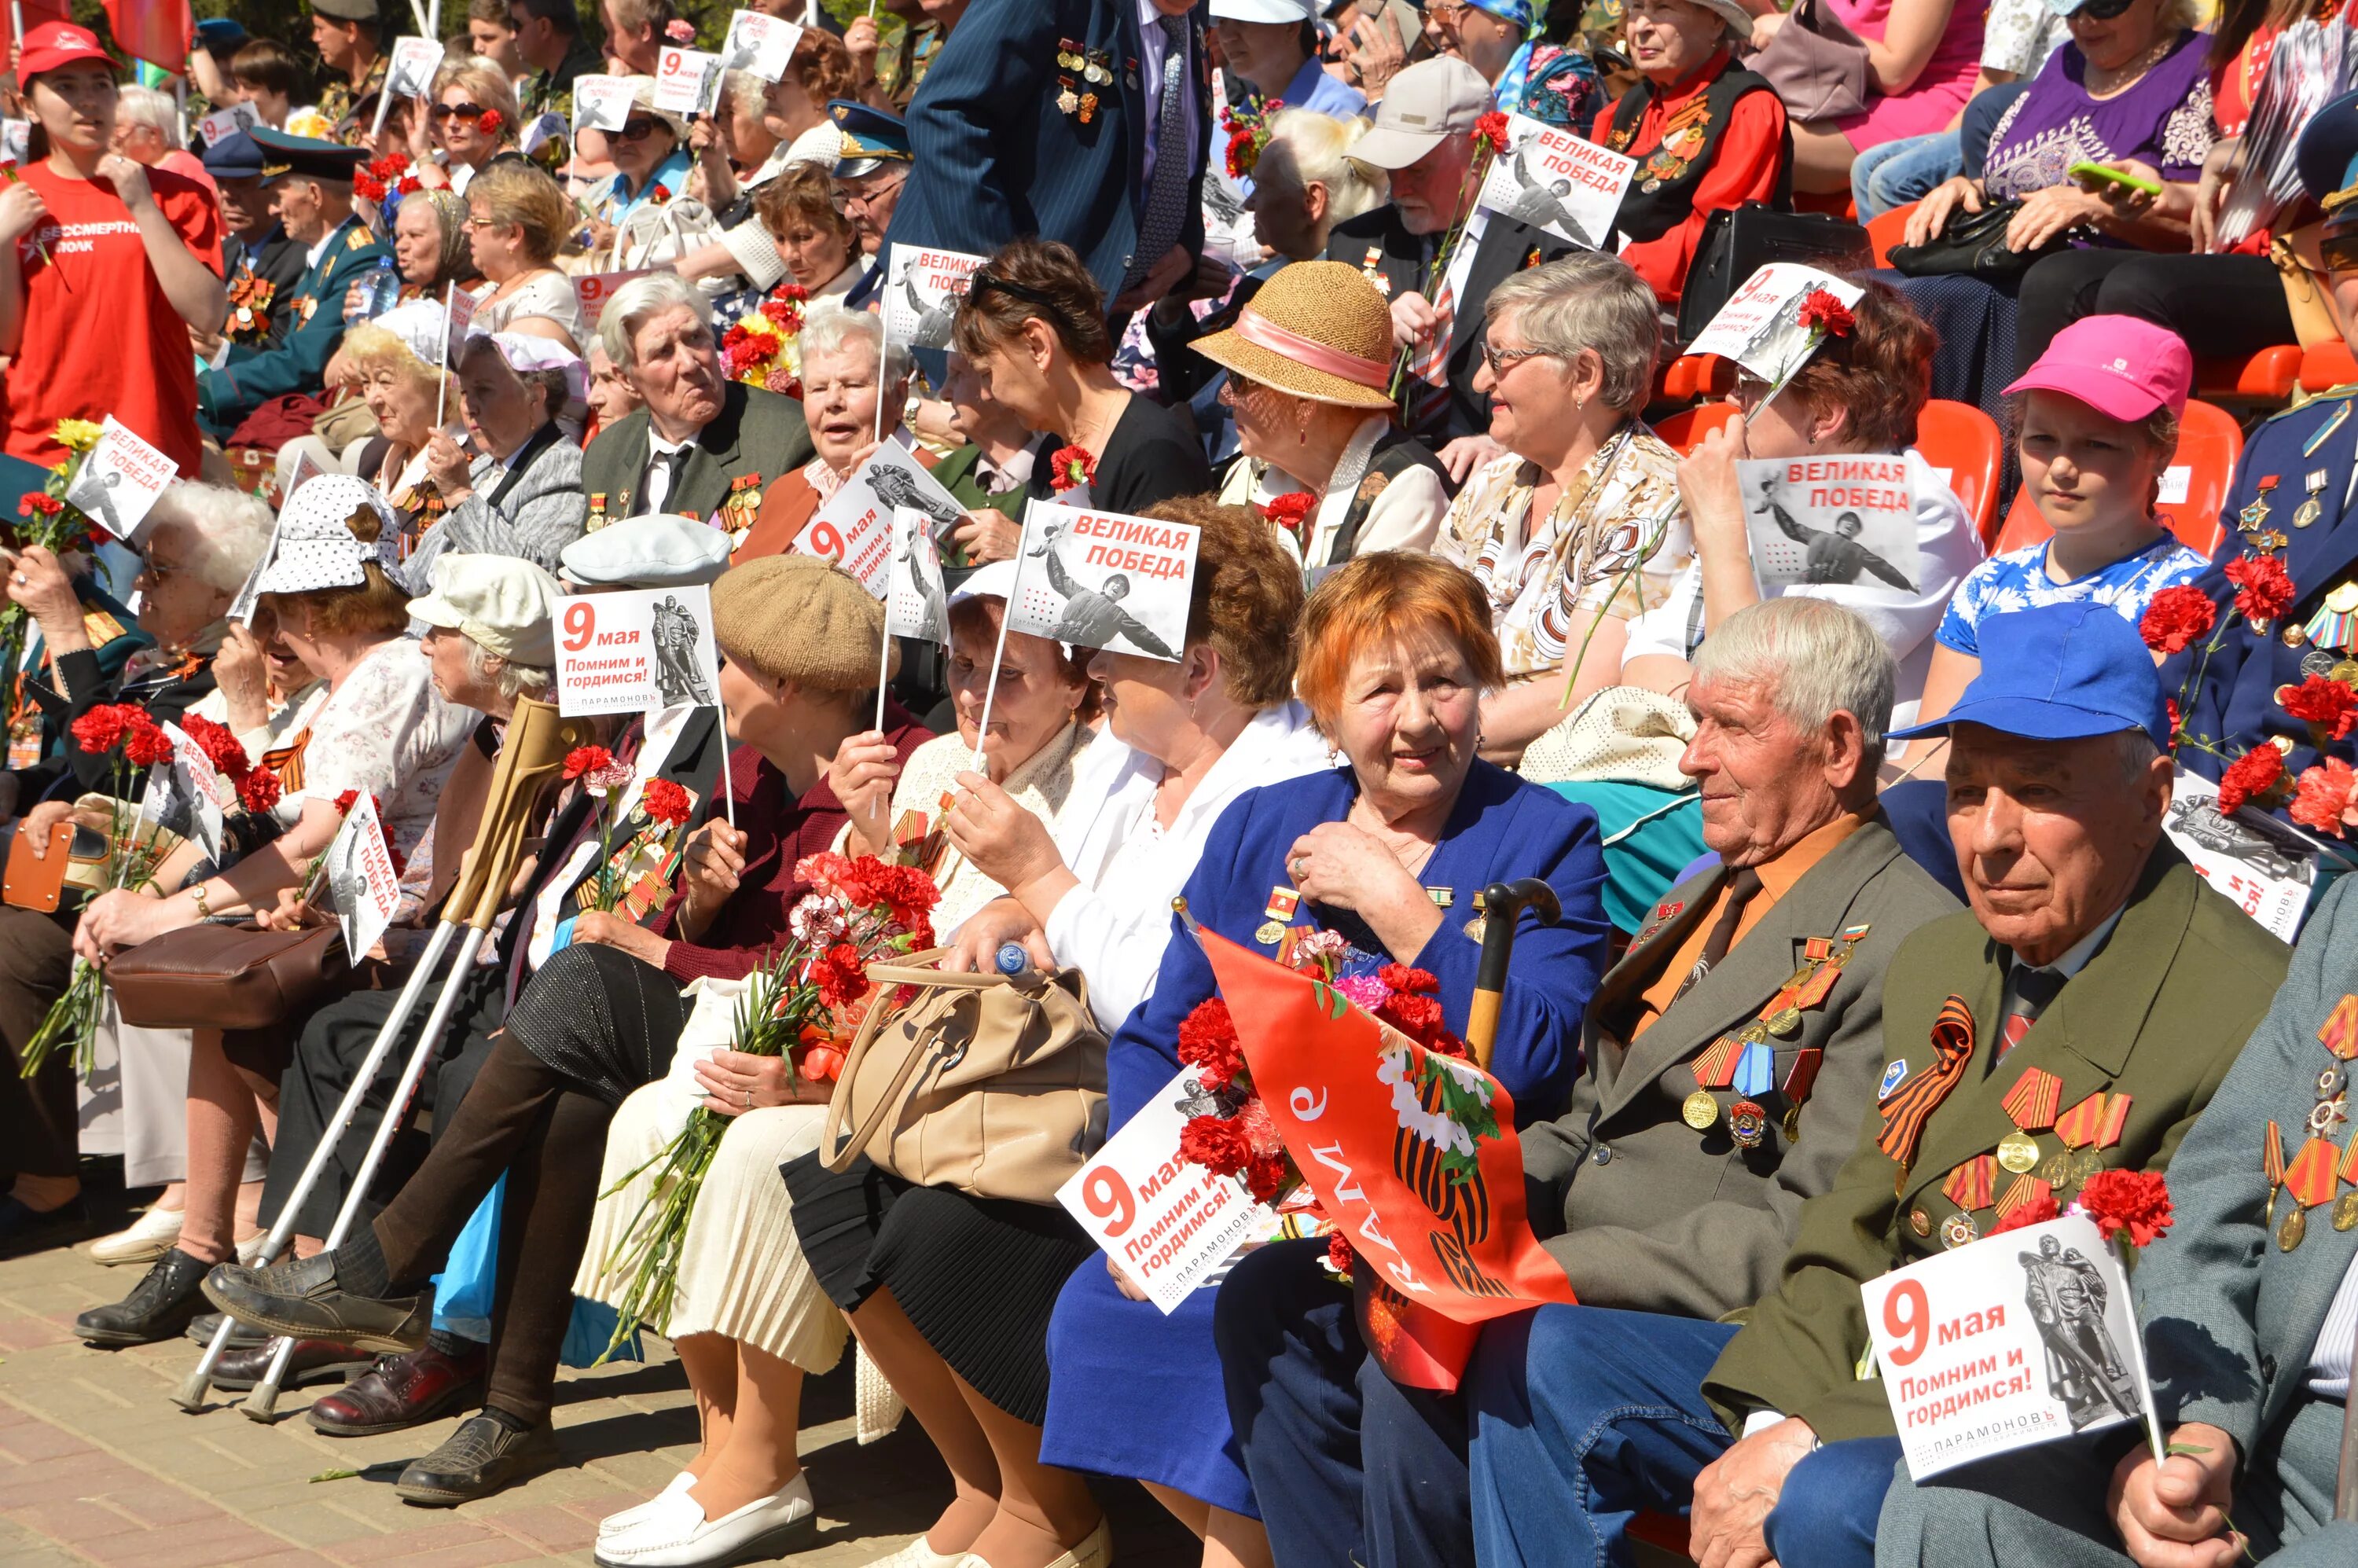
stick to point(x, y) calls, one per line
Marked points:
point(1569, 531)
point(520, 492)
point(849, 407)
point(702, 446)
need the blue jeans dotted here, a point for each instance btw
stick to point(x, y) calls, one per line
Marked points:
point(1897, 173)
point(1584, 1417)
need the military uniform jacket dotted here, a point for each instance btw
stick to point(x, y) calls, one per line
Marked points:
point(1396, 262)
point(277, 261)
point(1643, 1211)
point(2159, 1013)
point(2232, 706)
point(250, 376)
point(757, 434)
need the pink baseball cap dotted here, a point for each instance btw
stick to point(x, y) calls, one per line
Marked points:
point(2118, 365)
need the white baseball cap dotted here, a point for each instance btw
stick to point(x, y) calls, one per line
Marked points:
point(1424, 106)
point(1264, 10)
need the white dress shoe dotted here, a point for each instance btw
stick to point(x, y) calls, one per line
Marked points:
point(1095, 1550)
point(919, 1555)
point(674, 1534)
point(146, 1239)
point(637, 1511)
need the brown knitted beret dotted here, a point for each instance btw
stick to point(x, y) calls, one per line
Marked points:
point(799, 619)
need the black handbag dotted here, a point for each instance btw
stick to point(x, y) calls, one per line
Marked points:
point(1973, 245)
point(1738, 242)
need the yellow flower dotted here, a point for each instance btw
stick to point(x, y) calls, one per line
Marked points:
point(78, 435)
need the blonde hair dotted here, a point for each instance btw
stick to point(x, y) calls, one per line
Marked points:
point(514, 191)
point(486, 83)
point(372, 348)
point(1306, 148)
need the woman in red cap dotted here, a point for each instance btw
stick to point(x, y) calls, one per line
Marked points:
point(104, 267)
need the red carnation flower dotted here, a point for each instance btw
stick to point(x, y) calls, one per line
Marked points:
point(1821, 312)
point(2254, 773)
point(389, 166)
point(2328, 704)
point(37, 505)
point(1289, 512)
point(1070, 468)
point(2176, 719)
point(368, 187)
point(346, 801)
point(680, 30)
point(2136, 1201)
point(1217, 1143)
point(2176, 619)
point(587, 760)
point(2264, 588)
point(2037, 1211)
point(409, 182)
point(1208, 1042)
point(1418, 1017)
point(100, 729)
point(492, 122)
point(259, 791)
point(664, 802)
point(838, 975)
point(661, 193)
point(1339, 1255)
point(1266, 1176)
point(144, 744)
point(218, 745)
point(2321, 795)
point(1490, 130)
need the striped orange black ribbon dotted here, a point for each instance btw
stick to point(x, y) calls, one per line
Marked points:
point(1912, 1105)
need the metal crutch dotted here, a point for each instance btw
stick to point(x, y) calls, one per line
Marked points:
point(528, 726)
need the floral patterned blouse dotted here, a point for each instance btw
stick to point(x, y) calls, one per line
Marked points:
point(2019, 580)
point(2163, 119)
point(1613, 542)
point(386, 731)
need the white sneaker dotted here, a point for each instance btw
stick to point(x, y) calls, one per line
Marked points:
point(676, 1534)
point(919, 1553)
point(614, 1523)
point(146, 1239)
point(1095, 1550)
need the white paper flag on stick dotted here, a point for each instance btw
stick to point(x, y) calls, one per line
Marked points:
point(760, 44)
point(361, 883)
point(119, 482)
point(854, 529)
point(628, 652)
point(186, 795)
point(688, 82)
point(222, 124)
point(592, 290)
point(1831, 521)
point(915, 603)
point(2008, 1342)
point(602, 102)
point(1554, 180)
point(1760, 328)
point(922, 286)
point(1105, 580)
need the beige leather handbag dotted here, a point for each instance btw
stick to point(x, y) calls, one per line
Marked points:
point(980, 1082)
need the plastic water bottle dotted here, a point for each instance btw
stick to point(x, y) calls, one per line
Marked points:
point(1013, 960)
point(381, 287)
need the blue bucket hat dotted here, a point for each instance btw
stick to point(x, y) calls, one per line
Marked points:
point(2060, 672)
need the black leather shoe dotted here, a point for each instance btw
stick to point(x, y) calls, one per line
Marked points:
point(24, 1229)
point(315, 1360)
point(300, 1297)
point(159, 1307)
point(402, 1391)
point(483, 1456)
point(203, 1327)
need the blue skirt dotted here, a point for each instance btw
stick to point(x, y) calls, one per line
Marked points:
point(1134, 1393)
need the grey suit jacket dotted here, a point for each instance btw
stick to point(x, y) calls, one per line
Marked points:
point(1654, 1217)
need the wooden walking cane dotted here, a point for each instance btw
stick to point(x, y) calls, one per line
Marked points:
point(1502, 910)
point(532, 753)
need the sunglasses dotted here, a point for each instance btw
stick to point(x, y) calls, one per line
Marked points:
point(639, 130)
point(2338, 249)
point(459, 111)
point(2100, 10)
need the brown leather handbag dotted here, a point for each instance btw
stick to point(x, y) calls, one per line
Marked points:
point(1817, 66)
point(228, 976)
point(984, 1083)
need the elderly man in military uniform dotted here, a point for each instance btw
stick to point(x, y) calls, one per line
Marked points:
point(310, 186)
point(1730, 1056)
point(2078, 1019)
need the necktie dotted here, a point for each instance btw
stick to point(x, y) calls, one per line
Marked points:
point(1741, 889)
point(1430, 367)
point(1166, 195)
point(2033, 989)
point(668, 465)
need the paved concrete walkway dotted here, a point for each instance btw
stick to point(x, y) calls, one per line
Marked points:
point(98, 1465)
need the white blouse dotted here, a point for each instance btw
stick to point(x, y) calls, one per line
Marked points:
point(388, 732)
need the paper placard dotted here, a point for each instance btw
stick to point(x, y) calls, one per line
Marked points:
point(187, 796)
point(760, 44)
point(544, 129)
point(15, 140)
point(602, 102)
point(249, 593)
point(915, 604)
point(2006, 1342)
point(854, 531)
point(2260, 865)
point(361, 883)
point(922, 286)
point(1828, 521)
point(458, 318)
point(2175, 482)
point(1759, 328)
point(1552, 179)
point(1168, 1224)
point(627, 653)
point(411, 73)
point(222, 124)
point(592, 291)
point(1103, 580)
point(119, 482)
point(688, 82)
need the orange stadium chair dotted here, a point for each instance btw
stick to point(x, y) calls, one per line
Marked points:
point(1684, 430)
point(1886, 230)
point(1962, 444)
point(2209, 443)
point(2326, 365)
point(2266, 377)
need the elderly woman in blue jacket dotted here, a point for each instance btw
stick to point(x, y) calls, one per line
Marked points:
point(1387, 852)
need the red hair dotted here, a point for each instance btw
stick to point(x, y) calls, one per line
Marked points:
point(1389, 596)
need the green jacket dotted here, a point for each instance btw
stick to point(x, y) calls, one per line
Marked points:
point(2158, 1014)
point(756, 436)
point(251, 376)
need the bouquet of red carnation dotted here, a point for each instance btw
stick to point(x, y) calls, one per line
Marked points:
point(1248, 132)
point(45, 517)
point(808, 996)
point(635, 869)
point(763, 347)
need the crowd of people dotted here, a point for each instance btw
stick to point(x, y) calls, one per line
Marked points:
point(1854, 868)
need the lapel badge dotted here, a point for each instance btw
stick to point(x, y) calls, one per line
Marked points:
point(1747, 1124)
point(1893, 1077)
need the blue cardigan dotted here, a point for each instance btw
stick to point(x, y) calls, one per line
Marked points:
point(1130, 1392)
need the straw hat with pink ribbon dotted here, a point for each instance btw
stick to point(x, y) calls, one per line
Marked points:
point(1316, 330)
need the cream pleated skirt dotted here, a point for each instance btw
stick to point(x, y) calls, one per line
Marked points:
point(742, 1271)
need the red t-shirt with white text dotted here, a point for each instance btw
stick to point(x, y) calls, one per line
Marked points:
point(100, 337)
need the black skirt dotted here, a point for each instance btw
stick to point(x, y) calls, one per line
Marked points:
point(604, 1019)
point(978, 1277)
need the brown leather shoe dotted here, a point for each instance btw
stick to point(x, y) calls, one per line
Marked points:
point(314, 1360)
point(401, 1392)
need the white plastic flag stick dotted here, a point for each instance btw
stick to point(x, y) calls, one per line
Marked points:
point(442, 391)
point(884, 665)
point(883, 357)
point(728, 780)
point(1014, 593)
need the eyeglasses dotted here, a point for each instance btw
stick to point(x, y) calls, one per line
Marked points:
point(1498, 359)
point(459, 111)
point(639, 130)
point(845, 199)
point(2338, 249)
